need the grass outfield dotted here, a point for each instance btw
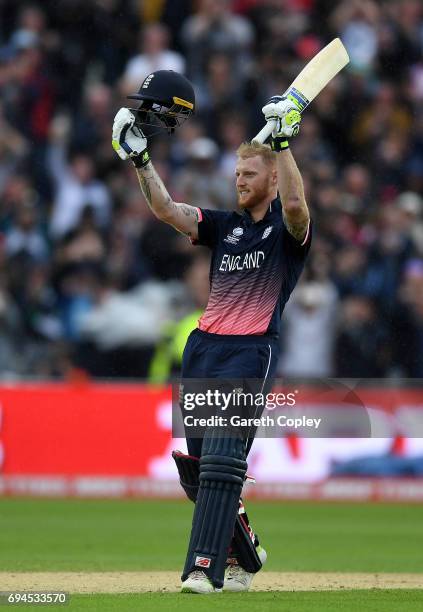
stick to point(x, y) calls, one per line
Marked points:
point(133, 535)
point(77, 535)
point(322, 601)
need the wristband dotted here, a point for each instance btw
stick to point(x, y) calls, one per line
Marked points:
point(279, 144)
point(141, 160)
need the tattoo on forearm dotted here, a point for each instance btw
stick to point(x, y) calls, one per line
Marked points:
point(145, 187)
point(153, 189)
point(298, 229)
point(188, 211)
point(162, 205)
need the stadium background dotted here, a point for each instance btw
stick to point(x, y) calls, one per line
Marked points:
point(89, 278)
point(94, 290)
point(92, 286)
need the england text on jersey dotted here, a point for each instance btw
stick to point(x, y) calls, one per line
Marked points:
point(254, 269)
point(241, 262)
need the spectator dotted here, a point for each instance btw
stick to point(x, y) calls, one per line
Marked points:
point(24, 234)
point(215, 29)
point(201, 182)
point(11, 334)
point(75, 188)
point(385, 115)
point(154, 55)
point(219, 93)
point(362, 341)
point(357, 21)
point(75, 235)
point(387, 256)
point(13, 149)
point(407, 322)
point(308, 331)
point(411, 207)
point(34, 91)
point(167, 359)
point(90, 132)
point(232, 130)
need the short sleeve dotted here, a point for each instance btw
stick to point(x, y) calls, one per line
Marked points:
point(211, 224)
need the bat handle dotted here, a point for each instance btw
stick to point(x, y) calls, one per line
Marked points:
point(265, 132)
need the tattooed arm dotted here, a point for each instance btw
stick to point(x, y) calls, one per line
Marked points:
point(294, 208)
point(183, 217)
point(129, 142)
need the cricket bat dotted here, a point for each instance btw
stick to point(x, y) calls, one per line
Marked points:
point(312, 79)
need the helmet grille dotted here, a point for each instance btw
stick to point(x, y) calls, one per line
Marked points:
point(160, 117)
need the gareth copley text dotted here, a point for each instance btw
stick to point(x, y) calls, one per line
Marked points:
point(264, 421)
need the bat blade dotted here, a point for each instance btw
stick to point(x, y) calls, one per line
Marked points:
point(312, 79)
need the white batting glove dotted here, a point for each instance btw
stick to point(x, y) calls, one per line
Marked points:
point(286, 114)
point(127, 139)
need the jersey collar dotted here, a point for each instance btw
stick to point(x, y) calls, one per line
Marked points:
point(274, 207)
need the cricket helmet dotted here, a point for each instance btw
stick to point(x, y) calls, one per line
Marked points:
point(166, 99)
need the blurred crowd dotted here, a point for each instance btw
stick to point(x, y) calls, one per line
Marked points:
point(91, 283)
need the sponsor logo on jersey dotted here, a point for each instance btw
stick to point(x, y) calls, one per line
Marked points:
point(237, 231)
point(249, 261)
point(202, 561)
point(267, 232)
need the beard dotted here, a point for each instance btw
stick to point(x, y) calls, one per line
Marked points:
point(254, 197)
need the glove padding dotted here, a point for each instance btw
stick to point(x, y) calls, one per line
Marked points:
point(127, 139)
point(285, 113)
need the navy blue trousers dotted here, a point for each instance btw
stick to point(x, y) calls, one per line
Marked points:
point(229, 357)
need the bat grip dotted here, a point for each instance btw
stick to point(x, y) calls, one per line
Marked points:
point(265, 132)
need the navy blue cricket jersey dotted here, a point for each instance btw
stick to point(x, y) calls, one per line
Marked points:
point(254, 268)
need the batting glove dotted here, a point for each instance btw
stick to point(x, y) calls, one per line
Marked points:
point(128, 140)
point(287, 117)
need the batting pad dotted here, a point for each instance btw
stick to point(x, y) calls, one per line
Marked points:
point(243, 541)
point(222, 471)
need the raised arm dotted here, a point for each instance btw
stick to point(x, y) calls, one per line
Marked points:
point(290, 185)
point(130, 143)
point(183, 217)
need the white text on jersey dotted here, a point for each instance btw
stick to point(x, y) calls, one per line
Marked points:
point(248, 261)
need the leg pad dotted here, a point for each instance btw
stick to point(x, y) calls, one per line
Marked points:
point(243, 543)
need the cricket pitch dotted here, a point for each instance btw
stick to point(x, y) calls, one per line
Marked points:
point(151, 582)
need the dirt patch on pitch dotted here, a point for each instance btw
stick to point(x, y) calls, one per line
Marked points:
point(147, 582)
